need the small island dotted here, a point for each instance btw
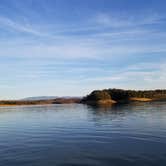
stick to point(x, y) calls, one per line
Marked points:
point(98, 97)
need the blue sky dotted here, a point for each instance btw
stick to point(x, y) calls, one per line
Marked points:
point(71, 47)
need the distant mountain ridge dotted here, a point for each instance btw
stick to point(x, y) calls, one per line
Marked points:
point(48, 97)
point(40, 98)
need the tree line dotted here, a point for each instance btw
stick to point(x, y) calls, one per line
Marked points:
point(120, 94)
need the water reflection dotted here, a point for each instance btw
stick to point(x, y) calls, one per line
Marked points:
point(122, 109)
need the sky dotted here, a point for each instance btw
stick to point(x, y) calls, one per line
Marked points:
point(71, 47)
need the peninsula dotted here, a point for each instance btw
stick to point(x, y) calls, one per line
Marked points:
point(112, 96)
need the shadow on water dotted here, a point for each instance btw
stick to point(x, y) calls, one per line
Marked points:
point(114, 109)
point(121, 111)
point(122, 108)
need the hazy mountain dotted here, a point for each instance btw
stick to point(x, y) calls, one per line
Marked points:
point(49, 97)
point(40, 98)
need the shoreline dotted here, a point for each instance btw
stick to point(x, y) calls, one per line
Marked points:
point(69, 101)
point(39, 102)
point(97, 97)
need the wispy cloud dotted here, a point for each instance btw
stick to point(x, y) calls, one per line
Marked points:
point(58, 44)
point(124, 20)
point(146, 76)
point(13, 25)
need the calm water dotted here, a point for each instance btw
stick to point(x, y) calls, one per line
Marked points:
point(82, 135)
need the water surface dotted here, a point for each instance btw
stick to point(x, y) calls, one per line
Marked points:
point(76, 134)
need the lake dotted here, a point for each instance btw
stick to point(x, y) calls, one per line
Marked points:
point(77, 135)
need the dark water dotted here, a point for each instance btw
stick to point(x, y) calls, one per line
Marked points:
point(82, 135)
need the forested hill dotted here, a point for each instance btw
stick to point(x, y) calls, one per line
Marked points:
point(120, 95)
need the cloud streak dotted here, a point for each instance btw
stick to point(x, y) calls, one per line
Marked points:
point(122, 20)
point(20, 27)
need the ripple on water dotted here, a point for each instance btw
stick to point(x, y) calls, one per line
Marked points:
point(81, 135)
